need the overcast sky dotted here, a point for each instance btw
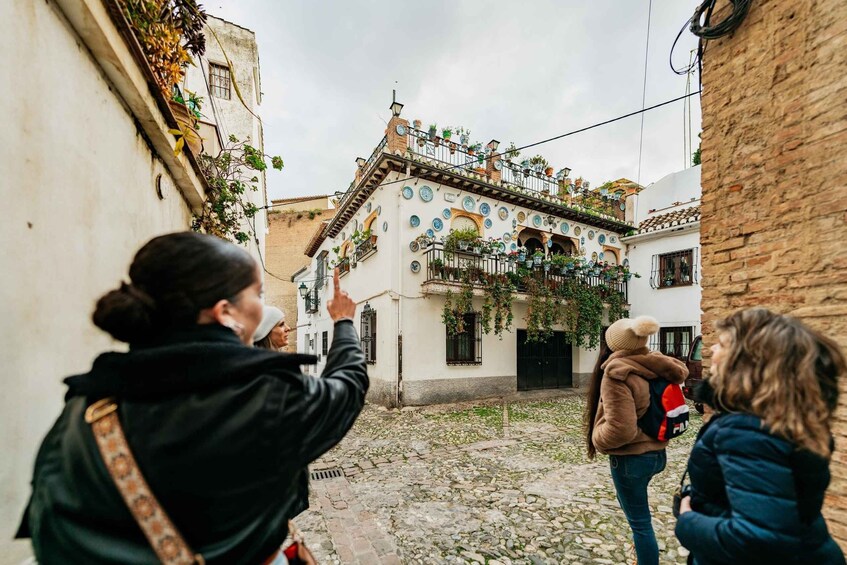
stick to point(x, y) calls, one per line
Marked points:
point(514, 71)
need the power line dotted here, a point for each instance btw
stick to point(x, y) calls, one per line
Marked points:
point(548, 140)
point(644, 92)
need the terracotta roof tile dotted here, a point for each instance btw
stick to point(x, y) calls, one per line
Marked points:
point(675, 218)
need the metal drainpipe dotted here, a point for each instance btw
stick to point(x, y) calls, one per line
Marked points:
point(399, 395)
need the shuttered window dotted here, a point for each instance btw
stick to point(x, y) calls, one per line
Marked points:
point(368, 334)
point(466, 348)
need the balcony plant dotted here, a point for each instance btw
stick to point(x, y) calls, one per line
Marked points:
point(446, 133)
point(433, 131)
point(464, 135)
point(512, 151)
point(186, 110)
point(538, 163)
point(460, 239)
point(537, 257)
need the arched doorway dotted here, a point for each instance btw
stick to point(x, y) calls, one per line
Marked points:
point(532, 244)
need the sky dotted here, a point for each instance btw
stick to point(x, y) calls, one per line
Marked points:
point(516, 72)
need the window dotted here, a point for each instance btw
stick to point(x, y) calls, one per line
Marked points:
point(466, 348)
point(312, 300)
point(368, 333)
point(674, 269)
point(220, 81)
point(321, 271)
point(325, 344)
point(675, 341)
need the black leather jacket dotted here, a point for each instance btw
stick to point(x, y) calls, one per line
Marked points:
point(221, 431)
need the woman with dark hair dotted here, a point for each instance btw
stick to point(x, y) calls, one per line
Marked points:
point(619, 396)
point(760, 468)
point(192, 438)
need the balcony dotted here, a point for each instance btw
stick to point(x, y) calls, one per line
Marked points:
point(343, 266)
point(365, 249)
point(452, 268)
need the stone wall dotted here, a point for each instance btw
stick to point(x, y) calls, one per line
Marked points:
point(774, 177)
point(289, 232)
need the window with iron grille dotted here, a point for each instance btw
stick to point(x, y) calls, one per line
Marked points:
point(312, 301)
point(321, 271)
point(674, 269)
point(220, 81)
point(466, 348)
point(325, 344)
point(368, 334)
point(675, 341)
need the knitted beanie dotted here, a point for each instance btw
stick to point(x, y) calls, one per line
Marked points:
point(627, 334)
point(271, 317)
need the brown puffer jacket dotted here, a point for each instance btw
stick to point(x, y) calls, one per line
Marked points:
point(625, 397)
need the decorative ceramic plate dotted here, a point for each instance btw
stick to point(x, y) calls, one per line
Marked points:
point(498, 165)
point(503, 213)
point(612, 239)
point(378, 210)
point(355, 225)
point(400, 129)
point(415, 266)
point(514, 246)
point(565, 227)
point(521, 217)
point(582, 240)
point(384, 226)
point(594, 257)
point(414, 247)
point(488, 223)
point(546, 221)
point(484, 209)
point(447, 213)
point(590, 234)
point(601, 255)
point(414, 221)
point(368, 206)
point(549, 243)
point(514, 223)
point(626, 262)
point(425, 193)
point(601, 239)
point(408, 192)
point(623, 206)
point(536, 220)
point(343, 236)
point(430, 234)
point(437, 224)
point(507, 237)
point(577, 230)
point(468, 203)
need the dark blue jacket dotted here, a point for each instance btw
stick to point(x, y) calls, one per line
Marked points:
point(756, 498)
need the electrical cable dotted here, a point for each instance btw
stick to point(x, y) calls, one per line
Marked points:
point(707, 31)
point(644, 92)
point(543, 141)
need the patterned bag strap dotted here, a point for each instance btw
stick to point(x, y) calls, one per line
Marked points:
point(164, 538)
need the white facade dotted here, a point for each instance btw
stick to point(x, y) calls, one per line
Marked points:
point(232, 115)
point(411, 309)
point(669, 222)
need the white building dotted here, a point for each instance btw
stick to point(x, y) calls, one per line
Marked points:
point(666, 251)
point(409, 185)
point(226, 113)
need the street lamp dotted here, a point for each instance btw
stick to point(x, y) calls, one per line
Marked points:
point(395, 108)
point(303, 290)
point(493, 145)
point(566, 172)
point(360, 161)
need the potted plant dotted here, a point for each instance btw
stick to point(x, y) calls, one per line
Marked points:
point(548, 171)
point(447, 132)
point(418, 124)
point(512, 151)
point(537, 257)
point(433, 131)
point(186, 110)
point(521, 253)
point(452, 146)
point(538, 163)
point(464, 135)
point(525, 166)
point(437, 266)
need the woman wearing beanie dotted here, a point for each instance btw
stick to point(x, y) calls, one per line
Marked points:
point(272, 332)
point(619, 394)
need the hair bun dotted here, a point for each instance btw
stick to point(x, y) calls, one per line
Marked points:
point(644, 326)
point(127, 314)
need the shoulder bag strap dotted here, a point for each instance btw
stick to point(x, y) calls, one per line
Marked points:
point(164, 538)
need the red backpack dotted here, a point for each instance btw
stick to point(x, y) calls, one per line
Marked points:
point(667, 415)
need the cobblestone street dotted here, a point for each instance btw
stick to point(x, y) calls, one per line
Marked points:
point(463, 484)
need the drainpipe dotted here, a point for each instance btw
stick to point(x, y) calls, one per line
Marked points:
point(399, 363)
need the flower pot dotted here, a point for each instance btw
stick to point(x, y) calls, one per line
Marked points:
point(452, 145)
point(186, 122)
point(417, 124)
point(446, 134)
point(536, 260)
point(463, 245)
point(477, 250)
point(463, 139)
point(548, 171)
point(529, 263)
point(546, 267)
point(521, 257)
point(432, 133)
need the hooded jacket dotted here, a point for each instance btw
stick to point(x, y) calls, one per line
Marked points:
point(625, 397)
point(220, 431)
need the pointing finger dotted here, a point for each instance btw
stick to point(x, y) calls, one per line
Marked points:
point(335, 284)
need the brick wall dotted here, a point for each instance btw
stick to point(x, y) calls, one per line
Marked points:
point(289, 233)
point(774, 177)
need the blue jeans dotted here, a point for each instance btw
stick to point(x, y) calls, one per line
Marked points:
point(631, 475)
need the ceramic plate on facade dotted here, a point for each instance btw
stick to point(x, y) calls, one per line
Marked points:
point(488, 223)
point(623, 205)
point(601, 239)
point(626, 262)
point(468, 203)
point(484, 209)
point(449, 197)
point(503, 213)
point(437, 224)
point(514, 223)
point(343, 236)
point(536, 220)
point(565, 227)
point(416, 267)
point(378, 210)
point(521, 217)
point(447, 213)
point(577, 230)
point(408, 192)
point(514, 246)
point(601, 255)
point(507, 237)
point(612, 239)
point(414, 221)
point(594, 256)
point(384, 226)
point(368, 206)
point(426, 193)
point(413, 246)
point(582, 240)
point(590, 234)
point(549, 243)
point(430, 234)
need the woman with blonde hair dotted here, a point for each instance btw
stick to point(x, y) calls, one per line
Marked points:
point(760, 468)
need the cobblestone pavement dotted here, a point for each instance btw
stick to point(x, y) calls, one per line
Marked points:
point(463, 484)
